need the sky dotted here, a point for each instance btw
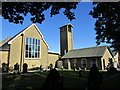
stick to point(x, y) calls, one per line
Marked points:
point(83, 30)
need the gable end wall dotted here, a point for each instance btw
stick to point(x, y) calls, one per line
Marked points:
point(17, 56)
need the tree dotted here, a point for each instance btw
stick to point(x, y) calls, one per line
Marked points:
point(107, 16)
point(16, 11)
point(107, 23)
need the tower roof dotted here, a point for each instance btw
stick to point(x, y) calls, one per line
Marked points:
point(67, 25)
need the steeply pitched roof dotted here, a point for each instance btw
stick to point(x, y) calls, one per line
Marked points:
point(86, 52)
point(4, 41)
point(14, 37)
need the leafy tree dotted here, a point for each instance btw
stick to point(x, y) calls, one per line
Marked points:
point(15, 11)
point(107, 16)
point(107, 24)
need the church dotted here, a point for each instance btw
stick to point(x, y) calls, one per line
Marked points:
point(83, 58)
point(30, 47)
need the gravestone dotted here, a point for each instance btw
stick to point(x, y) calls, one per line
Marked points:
point(25, 66)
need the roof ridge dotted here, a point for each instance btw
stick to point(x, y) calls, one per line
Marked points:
point(88, 48)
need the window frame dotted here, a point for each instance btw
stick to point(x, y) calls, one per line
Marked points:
point(34, 50)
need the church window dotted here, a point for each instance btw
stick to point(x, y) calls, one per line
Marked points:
point(32, 48)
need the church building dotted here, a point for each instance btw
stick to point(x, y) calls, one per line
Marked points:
point(30, 47)
point(82, 58)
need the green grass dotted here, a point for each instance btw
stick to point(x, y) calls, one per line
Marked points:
point(112, 83)
point(71, 79)
point(23, 82)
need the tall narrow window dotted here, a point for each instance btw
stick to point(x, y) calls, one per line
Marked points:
point(32, 48)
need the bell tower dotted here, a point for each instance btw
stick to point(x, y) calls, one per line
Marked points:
point(66, 40)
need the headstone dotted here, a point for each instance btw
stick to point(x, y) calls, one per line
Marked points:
point(25, 66)
point(16, 68)
point(59, 64)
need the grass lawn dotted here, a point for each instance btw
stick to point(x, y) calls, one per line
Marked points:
point(23, 82)
point(71, 79)
point(112, 83)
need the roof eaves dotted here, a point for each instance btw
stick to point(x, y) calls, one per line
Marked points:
point(4, 49)
point(53, 53)
point(79, 57)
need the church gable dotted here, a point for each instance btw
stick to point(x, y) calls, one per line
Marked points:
point(107, 55)
point(28, 46)
point(30, 31)
point(33, 33)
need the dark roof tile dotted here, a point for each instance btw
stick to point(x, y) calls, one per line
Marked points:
point(86, 52)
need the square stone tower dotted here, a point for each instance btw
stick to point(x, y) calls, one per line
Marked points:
point(66, 40)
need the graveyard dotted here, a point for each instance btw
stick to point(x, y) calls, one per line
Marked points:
point(71, 79)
